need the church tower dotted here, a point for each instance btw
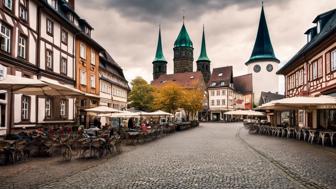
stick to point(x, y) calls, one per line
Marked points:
point(159, 63)
point(183, 52)
point(263, 64)
point(203, 62)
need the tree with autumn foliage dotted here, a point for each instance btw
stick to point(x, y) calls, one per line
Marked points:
point(192, 102)
point(141, 95)
point(168, 97)
point(171, 96)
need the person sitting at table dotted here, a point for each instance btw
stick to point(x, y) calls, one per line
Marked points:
point(130, 123)
point(144, 128)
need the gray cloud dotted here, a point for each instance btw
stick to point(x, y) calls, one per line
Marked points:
point(166, 10)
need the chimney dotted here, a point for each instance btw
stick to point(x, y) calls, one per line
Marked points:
point(72, 4)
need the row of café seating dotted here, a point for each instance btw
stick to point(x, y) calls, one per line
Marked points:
point(309, 135)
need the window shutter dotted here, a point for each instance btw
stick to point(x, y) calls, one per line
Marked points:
point(327, 58)
point(310, 72)
point(319, 68)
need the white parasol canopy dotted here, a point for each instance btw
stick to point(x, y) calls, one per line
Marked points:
point(125, 114)
point(161, 113)
point(102, 109)
point(245, 112)
point(14, 83)
point(52, 88)
point(301, 102)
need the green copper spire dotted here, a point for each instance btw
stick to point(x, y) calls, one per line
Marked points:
point(183, 39)
point(203, 56)
point(159, 57)
point(262, 49)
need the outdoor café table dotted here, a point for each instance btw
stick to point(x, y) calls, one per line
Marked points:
point(290, 131)
point(298, 133)
point(331, 135)
point(305, 134)
point(312, 135)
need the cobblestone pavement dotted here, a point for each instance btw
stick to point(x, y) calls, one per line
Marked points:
point(213, 156)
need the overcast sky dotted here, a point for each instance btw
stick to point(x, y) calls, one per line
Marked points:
point(128, 29)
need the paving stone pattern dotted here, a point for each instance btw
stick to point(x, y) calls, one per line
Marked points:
point(215, 155)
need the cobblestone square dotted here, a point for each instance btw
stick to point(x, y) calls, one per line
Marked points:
point(214, 155)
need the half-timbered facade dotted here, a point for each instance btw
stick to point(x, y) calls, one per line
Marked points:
point(312, 71)
point(19, 32)
point(114, 87)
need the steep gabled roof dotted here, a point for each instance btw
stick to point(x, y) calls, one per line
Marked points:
point(222, 74)
point(243, 83)
point(263, 49)
point(328, 29)
point(266, 97)
point(187, 80)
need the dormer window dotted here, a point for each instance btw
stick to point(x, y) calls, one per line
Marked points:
point(192, 77)
point(53, 4)
point(222, 83)
point(213, 84)
point(319, 26)
point(309, 37)
point(220, 74)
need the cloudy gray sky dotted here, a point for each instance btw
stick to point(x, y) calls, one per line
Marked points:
point(128, 29)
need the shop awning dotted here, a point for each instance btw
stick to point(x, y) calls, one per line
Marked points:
point(245, 112)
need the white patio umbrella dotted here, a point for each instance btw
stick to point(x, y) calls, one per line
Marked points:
point(245, 112)
point(125, 114)
point(13, 84)
point(102, 109)
point(301, 102)
point(52, 88)
point(161, 113)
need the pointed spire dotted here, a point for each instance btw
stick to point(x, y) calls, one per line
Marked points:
point(203, 56)
point(159, 57)
point(263, 49)
point(183, 39)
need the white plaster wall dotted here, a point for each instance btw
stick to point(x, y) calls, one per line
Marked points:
point(264, 80)
point(33, 15)
point(215, 98)
point(41, 109)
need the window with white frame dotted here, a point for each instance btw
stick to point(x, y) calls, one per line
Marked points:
point(49, 59)
point(218, 93)
point(333, 60)
point(8, 4)
point(63, 108)
point(212, 102)
point(64, 37)
point(48, 108)
point(22, 46)
point(50, 27)
point(218, 102)
point(223, 101)
point(64, 65)
point(82, 50)
point(5, 38)
point(83, 77)
point(223, 92)
point(93, 81)
point(212, 93)
point(93, 57)
point(25, 108)
point(23, 11)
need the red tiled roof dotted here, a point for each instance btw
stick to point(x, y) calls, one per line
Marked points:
point(186, 80)
point(243, 83)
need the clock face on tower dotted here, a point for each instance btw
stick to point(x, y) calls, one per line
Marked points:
point(269, 67)
point(256, 68)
